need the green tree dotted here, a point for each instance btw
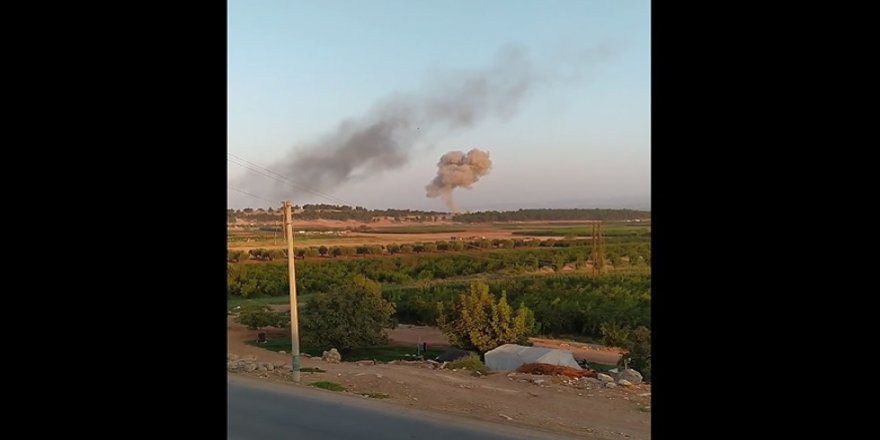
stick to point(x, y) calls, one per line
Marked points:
point(477, 321)
point(336, 251)
point(323, 251)
point(638, 352)
point(256, 316)
point(352, 316)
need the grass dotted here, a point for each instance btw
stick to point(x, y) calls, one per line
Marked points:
point(375, 395)
point(324, 385)
point(383, 353)
point(312, 370)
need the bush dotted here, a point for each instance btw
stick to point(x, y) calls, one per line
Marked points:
point(353, 316)
point(476, 321)
point(256, 316)
point(470, 362)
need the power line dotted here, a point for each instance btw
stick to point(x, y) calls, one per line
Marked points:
point(284, 179)
point(247, 193)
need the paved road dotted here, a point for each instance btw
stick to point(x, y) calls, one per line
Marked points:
point(259, 410)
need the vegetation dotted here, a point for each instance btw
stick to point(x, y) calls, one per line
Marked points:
point(332, 386)
point(357, 213)
point(312, 370)
point(552, 214)
point(256, 316)
point(636, 344)
point(476, 321)
point(470, 362)
point(352, 316)
point(569, 304)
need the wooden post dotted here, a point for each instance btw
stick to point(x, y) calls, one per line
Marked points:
point(294, 321)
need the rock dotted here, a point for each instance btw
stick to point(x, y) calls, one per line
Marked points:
point(610, 384)
point(591, 380)
point(231, 357)
point(538, 381)
point(332, 356)
point(365, 363)
point(250, 367)
point(270, 367)
point(624, 382)
point(378, 375)
point(262, 368)
point(605, 378)
point(631, 375)
point(282, 352)
point(613, 370)
point(645, 394)
point(506, 417)
point(306, 355)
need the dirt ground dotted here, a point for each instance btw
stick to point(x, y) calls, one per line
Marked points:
point(581, 408)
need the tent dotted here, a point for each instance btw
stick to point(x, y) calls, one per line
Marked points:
point(511, 356)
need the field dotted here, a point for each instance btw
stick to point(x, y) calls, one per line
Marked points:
point(545, 265)
point(340, 233)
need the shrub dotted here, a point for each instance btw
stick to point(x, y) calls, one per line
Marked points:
point(470, 362)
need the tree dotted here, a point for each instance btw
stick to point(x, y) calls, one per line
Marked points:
point(256, 316)
point(636, 344)
point(352, 316)
point(638, 352)
point(323, 251)
point(476, 321)
point(336, 251)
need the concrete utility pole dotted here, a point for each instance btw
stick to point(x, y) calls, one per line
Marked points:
point(294, 321)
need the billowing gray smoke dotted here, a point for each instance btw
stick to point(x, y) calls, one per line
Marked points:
point(382, 138)
point(458, 169)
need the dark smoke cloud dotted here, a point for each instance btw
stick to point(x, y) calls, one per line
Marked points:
point(381, 139)
point(457, 169)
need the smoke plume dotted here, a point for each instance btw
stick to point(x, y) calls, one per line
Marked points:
point(382, 139)
point(457, 169)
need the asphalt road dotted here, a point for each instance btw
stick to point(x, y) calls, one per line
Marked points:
point(259, 410)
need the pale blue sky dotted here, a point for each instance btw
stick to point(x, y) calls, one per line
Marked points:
point(296, 69)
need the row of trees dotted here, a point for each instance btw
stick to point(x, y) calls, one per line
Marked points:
point(357, 213)
point(615, 248)
point(322, 275)
point(552, 214)
point(357, 314)
point(565, 304)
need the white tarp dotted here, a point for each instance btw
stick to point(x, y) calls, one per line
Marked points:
point(511, 356)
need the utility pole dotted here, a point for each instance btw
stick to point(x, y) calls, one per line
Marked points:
point(294, 321)
point(598, 245)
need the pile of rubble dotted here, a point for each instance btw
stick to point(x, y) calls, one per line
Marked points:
point(555, 370)
point(539, 374)
point(250, 364)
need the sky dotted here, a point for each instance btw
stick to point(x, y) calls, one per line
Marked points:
point(579, 137)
